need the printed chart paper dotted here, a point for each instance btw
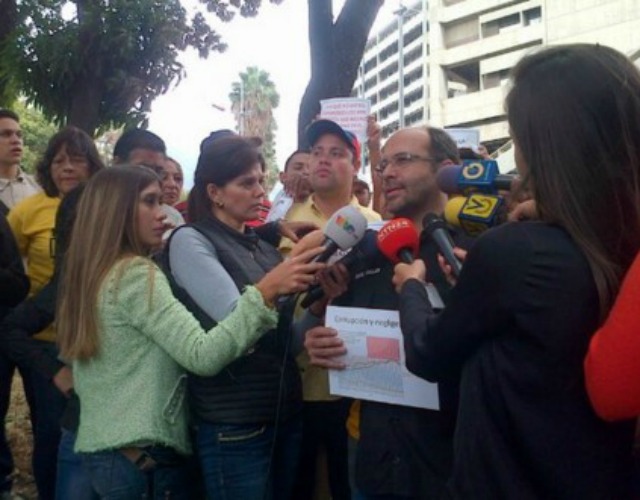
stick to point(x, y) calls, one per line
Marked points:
point(376, 369)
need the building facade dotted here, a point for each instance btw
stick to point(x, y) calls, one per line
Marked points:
point(387, 79)
point(469, 47)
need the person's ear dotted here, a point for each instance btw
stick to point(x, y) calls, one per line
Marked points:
point(214, 193)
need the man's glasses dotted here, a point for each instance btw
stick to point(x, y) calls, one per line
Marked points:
point(400, 160)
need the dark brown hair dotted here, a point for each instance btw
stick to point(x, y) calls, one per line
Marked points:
point(443, 147)
point(574, 113)
point(221, 161)
point(77, 143)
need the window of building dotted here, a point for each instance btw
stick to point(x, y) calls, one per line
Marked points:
point(461, 32)
point(409, 78)
point(495, 79)
point(414, 96)
point(389, 90)
point(370, 64)
point(390, 128)
point(532, 16)
point(388, 110)
point(388, 51)
point(463, 79)
point(370, 83)
point(412, 35)
point(502, 25)
point(413, 55)
point(416, 117)
point(391, 70)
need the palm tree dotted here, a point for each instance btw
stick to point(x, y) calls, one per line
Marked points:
point(253, 100)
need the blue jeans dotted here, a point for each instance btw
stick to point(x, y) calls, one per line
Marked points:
point(243, 462)
point(115, 477)
point(72, 481)
point(49, 407)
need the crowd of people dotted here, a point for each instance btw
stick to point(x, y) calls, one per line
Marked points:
point(164, 353)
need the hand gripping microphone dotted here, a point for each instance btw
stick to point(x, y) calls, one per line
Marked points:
point(475, 213)
point(398, 241)
point(344, 229)
point(356, 260)
point(473, 176)
point(437, 231)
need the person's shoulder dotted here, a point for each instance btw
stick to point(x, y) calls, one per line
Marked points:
point(34, 200)
point(173, 214)
point(300, 211)
point(506, 239)
point(131, 271)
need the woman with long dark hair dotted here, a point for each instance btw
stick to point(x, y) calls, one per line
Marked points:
point(531, 294)
point(248, 415)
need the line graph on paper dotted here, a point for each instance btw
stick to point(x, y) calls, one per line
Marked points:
point(374, 362)
point(379, 372)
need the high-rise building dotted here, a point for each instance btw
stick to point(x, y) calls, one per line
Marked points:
point(468, 48)
point(386, 79)
point(475, 43)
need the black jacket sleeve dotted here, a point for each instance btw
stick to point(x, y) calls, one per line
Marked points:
point(27, 319)
point(436, 346)
point(14, 284)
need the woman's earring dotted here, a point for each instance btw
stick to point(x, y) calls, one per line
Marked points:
point(219, 204)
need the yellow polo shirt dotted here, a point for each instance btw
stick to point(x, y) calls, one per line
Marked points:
point(308, 212)
point(32, 221)
point(315, 380)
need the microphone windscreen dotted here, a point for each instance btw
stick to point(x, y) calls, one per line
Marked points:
point(396, 235)
point(453, 208)
point(447, 179)
point(346, 227)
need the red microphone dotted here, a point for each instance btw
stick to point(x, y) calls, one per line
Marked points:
point(398, 241)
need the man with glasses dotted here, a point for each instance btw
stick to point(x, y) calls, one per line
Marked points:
point(403, 452)
point(334, 161)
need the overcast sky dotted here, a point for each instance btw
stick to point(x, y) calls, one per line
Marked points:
point(276, 41)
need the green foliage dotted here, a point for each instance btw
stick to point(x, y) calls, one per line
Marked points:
point(103, 62)
point(253, 100)
point(37, 131)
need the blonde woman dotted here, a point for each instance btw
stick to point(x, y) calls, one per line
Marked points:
point(129, 339)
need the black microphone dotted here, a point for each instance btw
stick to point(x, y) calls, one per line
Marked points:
point(356, 260)
point(437, 230)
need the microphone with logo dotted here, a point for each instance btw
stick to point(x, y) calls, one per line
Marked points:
point(358, 259)
point(475, 213)
point(398, 241)
point(437, 231)
point(344, 229)
point(474, 176)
